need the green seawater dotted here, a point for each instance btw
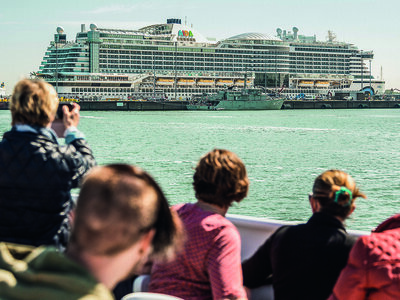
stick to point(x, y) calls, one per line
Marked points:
point(283, 151)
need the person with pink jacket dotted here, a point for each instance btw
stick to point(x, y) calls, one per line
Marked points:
point(373, 269)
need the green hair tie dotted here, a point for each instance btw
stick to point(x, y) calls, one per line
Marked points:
point(342, 191)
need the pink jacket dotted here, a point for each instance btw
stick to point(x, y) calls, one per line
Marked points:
point(373, 268)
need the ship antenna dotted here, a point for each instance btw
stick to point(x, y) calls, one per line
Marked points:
point(245, 79)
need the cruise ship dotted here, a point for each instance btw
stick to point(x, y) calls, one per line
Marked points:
point(174, 61)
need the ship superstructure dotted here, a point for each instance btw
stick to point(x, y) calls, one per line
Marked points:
point(174, 61)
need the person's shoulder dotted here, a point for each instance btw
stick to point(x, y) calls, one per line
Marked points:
point(180, 206)
point(381, 240)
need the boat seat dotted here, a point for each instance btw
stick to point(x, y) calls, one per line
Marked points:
point(149, 296)
point(141, 283)
point(265, 292)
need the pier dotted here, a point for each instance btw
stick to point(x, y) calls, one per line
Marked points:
point(340, 104)
point(181, 105)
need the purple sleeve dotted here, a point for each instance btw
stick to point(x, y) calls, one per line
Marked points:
point(224, 265)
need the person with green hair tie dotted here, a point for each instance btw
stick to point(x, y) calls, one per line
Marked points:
point(304, 261)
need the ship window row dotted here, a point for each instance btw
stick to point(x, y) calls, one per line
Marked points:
point(321, 63)
point(63, 65)
point(312, 56)
point(66, 69)
point(328, 58)
point(181, 51)
point(67, 60)
point(318, 59)
point(59, 51)
point(206, 61)
point(153, 52)
point(148, 65)
point(188, 49)
point(199, 58)
point(320, 71)
point(323, 50)
point(190, 54)
point(79, 55)
point(125, 36)
point(103, 90)
point(201, 54)
point(319, 54)
point(139, 69)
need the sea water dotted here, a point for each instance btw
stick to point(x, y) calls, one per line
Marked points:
point(283, 151)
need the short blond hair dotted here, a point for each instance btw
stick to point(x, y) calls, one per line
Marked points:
point(33, 102)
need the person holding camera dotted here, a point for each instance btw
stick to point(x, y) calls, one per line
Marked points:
point(36, 173)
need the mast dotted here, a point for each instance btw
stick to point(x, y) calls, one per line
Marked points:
point(175, 83)
point(154, 77)
point(245, 79)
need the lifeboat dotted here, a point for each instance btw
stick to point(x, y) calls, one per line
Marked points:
point(322, 83)
point(224, 82)
point(165, 81)
point(183, 81)
point(306, 83)
point(240, 82)
point(205, 82)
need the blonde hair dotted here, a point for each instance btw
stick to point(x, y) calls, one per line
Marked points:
point(33, 102)
point(331, 190)
point(220, 178)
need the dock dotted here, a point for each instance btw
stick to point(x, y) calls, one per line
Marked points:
point(181, 105)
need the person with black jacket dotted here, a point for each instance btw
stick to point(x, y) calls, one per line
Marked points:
point(36, 173)
point(305, 260)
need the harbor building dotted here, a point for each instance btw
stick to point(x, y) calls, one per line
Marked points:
point(174, 61)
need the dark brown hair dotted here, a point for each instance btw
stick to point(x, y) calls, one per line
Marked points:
point(33, 102)
point(220, 178)
point(116, 205)
point(324, 190)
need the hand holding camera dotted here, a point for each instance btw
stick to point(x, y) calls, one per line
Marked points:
point(71, 115)
point(67, 116)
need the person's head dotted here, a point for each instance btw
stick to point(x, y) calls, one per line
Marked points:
point(220, 178)
point(335, 193)
point(117, 206)
point(33, 102)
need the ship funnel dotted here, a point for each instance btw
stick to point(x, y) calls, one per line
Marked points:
point(93, 27)
point(295, 31)
point(83, 28)
point(60, 30)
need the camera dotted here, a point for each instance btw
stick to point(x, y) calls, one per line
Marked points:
point(59, 114)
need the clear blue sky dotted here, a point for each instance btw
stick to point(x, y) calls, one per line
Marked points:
point(26, 27)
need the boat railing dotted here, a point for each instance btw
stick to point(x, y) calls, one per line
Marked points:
point(254, 231)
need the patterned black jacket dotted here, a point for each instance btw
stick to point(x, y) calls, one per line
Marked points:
point(304, 260)
point(36, 177)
